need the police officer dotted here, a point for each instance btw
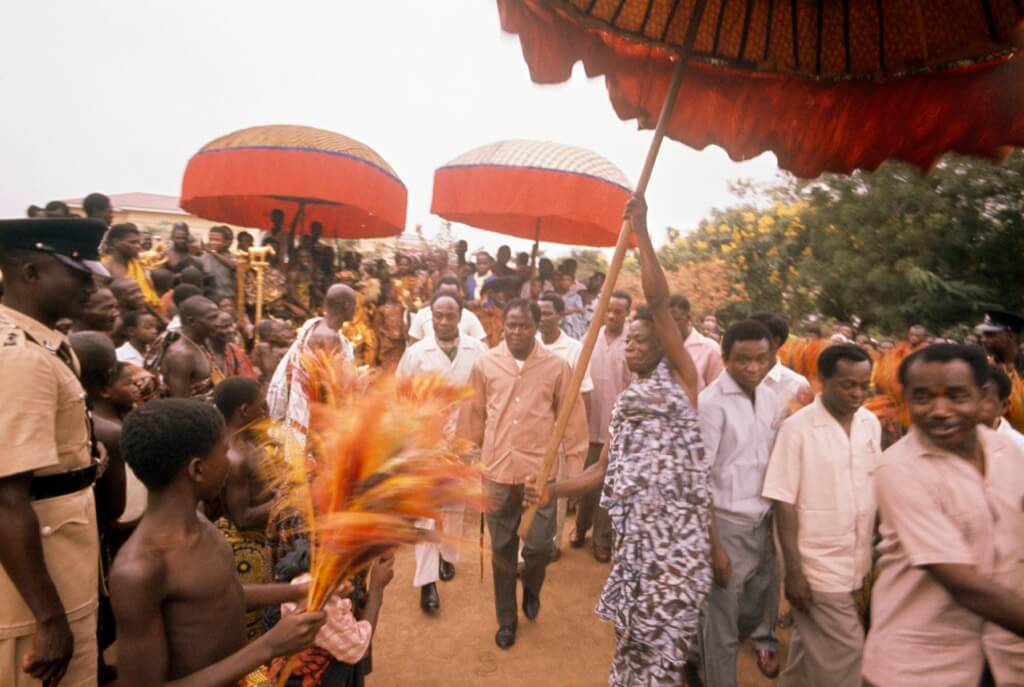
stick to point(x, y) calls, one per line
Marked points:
point(49, 545)
point(1001, 335)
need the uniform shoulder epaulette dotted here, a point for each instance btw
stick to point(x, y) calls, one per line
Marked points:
point(11, 334)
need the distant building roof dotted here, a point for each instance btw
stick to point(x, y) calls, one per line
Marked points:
point(152, 202)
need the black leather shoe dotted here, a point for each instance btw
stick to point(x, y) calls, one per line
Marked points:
point(506, 636)
point(531, 605)
point(446, 570)
point(429, 600)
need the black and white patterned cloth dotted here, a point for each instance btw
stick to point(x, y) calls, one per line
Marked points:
point(657, 494)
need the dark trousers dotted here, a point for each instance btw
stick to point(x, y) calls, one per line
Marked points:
point(505, 509)
point(589, 513)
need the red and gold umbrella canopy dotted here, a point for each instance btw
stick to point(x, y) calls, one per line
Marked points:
point(534, 190)
point(829, 85)
point(311, 175)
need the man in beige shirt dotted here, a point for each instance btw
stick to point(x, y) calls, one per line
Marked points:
point(519, 387)
point(948, 600)
point(819, 477)
point(706, 353)
point(49, 542)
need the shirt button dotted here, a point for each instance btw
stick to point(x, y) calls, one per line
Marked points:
point(515, 422)
point(46, 530)
point(517, 399)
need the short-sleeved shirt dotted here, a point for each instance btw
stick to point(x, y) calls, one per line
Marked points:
point(44, 431)
point(738, 439)
point(569, 349)
point(826, 475)
point(707, 357)
point(785, 382)
point(937, 508)
point(610, 376)
point(422, 325)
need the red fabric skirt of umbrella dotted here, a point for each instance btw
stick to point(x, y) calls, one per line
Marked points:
point(534, 190)
point(309, 175)
point(827, 85)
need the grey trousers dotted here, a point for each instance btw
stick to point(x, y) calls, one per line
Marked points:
point(742, 609)
point(589, 513)
point(827, 647)
point(505, 509)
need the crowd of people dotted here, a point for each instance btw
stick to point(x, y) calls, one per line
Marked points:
point(872, 486)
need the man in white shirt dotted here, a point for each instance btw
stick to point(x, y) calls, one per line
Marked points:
point(786, 383)
point(996, 404)
point(551, 336)
point(705, 352)
point(739, 418)
point(452, 355)
point(422, 325)
point(820, 480)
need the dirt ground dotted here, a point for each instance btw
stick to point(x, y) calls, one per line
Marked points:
point(568, 646)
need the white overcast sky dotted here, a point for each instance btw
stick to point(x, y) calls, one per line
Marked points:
point(116, 95)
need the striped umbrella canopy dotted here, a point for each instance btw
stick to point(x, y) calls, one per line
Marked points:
point(826, 85)
point(308, 174)
point(534, 190)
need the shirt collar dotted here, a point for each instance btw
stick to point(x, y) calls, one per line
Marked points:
point(777, 372)
point(50, 339)
point(693, 337)
point(823, 418)
point(430, 343)
point(729, 385)
point(538, 352)
point(553, 344)
point(921, 445)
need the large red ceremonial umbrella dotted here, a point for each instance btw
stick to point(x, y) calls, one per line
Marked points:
point(310, 175)
point(826, 85)
point(534, 190)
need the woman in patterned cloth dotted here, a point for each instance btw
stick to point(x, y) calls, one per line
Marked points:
point(656, 490)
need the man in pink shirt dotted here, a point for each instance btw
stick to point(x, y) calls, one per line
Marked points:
point(948, 602)
point(519, 387)
point(706, 353)
point(610, 377)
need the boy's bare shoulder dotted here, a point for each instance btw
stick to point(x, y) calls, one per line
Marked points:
point(139, 565)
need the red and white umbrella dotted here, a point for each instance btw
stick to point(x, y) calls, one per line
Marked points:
point(534, 190)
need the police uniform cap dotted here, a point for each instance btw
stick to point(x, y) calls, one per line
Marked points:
point(73, 241)
point(1001, 321)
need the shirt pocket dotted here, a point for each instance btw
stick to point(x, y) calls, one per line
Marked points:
point(68, 532)
point(72, 430)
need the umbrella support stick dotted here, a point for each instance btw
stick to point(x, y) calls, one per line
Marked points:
point(259, 294)
point(565, 409)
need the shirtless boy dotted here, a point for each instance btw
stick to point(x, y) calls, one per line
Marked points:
point(177, 600)
point(243, 401)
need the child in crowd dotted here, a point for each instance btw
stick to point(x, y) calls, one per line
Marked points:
point(140, 329)
point(179, 605)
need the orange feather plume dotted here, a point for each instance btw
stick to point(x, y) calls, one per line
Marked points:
point(379, 456)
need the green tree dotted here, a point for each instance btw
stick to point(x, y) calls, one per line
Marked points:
point(895, 246)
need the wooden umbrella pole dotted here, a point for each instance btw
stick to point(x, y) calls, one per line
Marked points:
point(589, 341)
